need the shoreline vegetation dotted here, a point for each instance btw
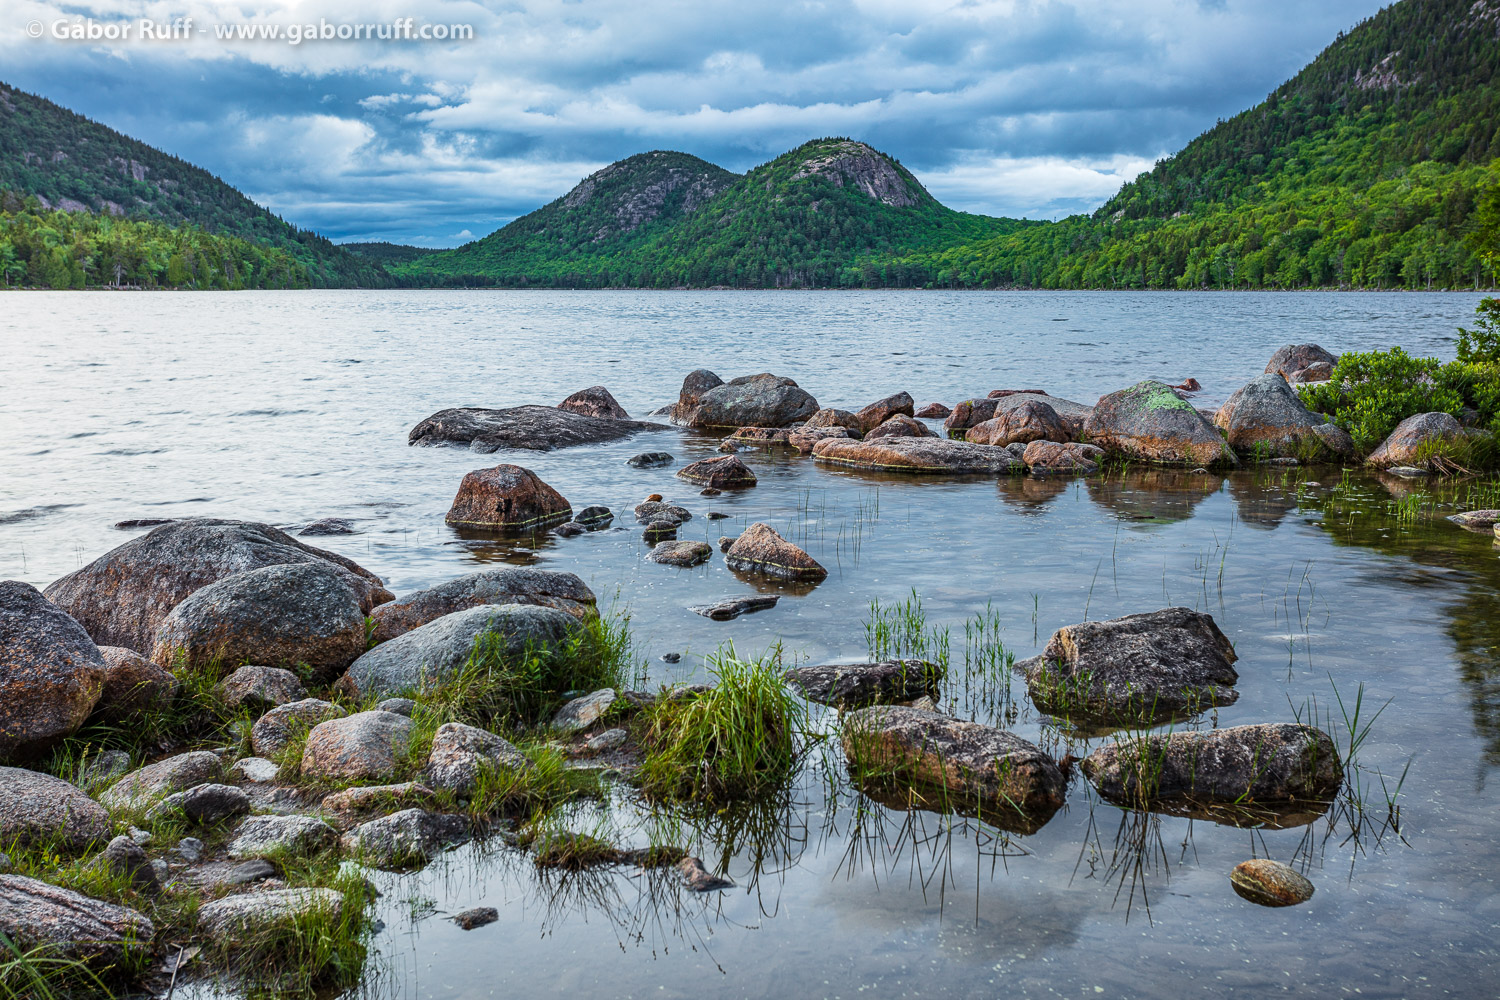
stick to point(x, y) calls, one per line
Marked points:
point(215, 757)
point(1377, 166)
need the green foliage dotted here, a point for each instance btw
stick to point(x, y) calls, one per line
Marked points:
point(1482, 344)
point(1371, 392)
point(736, 739)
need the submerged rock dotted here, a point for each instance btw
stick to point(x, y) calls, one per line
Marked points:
point(149, 785)
point(759, 549)
point(123, 597)
point(1414, 436)
point(406, 837)
point(763, 400)
point(855, 685)
point(1266, 418)
point(37, 808)
point(511, 585)
point(1476, 520)
point(530, 428)
point(680, 553)
point(698, 878)
point(243, 919)
point(1270, 883)
point(69, 925)
point(727, 473)
point(276, 730)
point(476, 917)
point(51, 673)
point(1302, 363)
point(917, 454)
point(260, 689)
point(359, 747)
point(650, 460)
point(1268, 763)
point(278, 615)
point(971, 767)
point(507, 498)
point(1139, 667)
point(1150, 421)
point(595, 401)
point(329, 526)
point(435, 652)
point(653, 511)
point(132, 684)
point(723, 611)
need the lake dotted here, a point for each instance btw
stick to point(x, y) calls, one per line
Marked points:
point(287, 407)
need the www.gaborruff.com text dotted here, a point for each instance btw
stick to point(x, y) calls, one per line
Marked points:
point(183, 29)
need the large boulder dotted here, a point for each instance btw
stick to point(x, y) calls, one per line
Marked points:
point(693, 387)
point(763, 400)
point(1302, 363)
point(512, 585)
point(1033, 420)
point(595, 401)
point(932, 456)
point(761, 550)
point(260, 688)
point(461, 754)
point(365, 746)
point(402, 838)
point(507, 498)
point(878, 412)
point(900, 425)
point(435, 652)
point(63, 924)
point(240, 920)
point(122, 598)
point(38, 808)
point(142, 789)
point(51, 673)
point(933, 411)
point(1241, 765)
point(282, 725)
point(530, 428)
point(1139, 667)
point(1414, 436)
point(856, 685)
point(280, 836)
point(1266, 418)
point(973, 412)
point(279, 616)
point(965, 765)
point(133, 684)
point(725, 473)
point(830, 417)
point(1152, 422)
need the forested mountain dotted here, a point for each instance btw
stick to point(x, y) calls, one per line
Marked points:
point(67, 162)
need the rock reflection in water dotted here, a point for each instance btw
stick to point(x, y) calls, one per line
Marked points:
point(1162, 495)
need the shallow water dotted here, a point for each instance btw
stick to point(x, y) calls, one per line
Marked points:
point(286, 407)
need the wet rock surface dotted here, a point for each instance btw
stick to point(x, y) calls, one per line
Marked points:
point(761, 550)
point(856, 685)
point(1267, 763)
point(763, 400)
point(1151, 422)
point(1050, 458)
point(479, 916)
point(654, 511)
point(275, 731)
point(507, 498)
point(1270, 883)
point(933, 455)
point(650, 460)
point(436, 651)
point(1266, 418)
point(1476, 520)
point(1414, 435)
point(278, 615)
point(595, 401)
point(51, 673)
point(122, 598)
point(513, 585)
point(727, 473)
point(723, 611)
point(697, 878)
point(1143, 666)
point(530, 428)
point(680, 553)
point(68, 924)
point(38, 808)
point(328, 526)
point(1013, 783)
point(359, 747)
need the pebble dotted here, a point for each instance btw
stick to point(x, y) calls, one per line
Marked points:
point(477, 917)
point(709, 491)
point(671, 657)
point(717, 515)
point(1270, 883)
point(188, 850)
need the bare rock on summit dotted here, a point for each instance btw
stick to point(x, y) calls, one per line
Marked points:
point(51, 673)
point(531, 428)
point(122, 598)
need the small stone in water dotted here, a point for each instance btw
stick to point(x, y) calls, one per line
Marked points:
point(698, 878)
point(477, 917)
point(671, 657)
point(709, 491)
point(717, 515)
point(1270, 883)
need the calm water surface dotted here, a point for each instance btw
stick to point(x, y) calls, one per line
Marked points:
point(286, 407)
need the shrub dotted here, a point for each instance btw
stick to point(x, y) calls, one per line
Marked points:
point(1482, 344)
point(1371, 392)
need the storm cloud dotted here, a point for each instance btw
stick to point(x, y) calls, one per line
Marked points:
point(1019, 108)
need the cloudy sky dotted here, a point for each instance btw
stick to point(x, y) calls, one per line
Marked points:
point(1013, 107)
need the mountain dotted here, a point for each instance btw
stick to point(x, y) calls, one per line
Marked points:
point(1370, 168)
point(830, 212)
point(69, 163)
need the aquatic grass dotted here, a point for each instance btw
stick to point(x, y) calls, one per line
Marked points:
point(736, 739)
point(985, 686)
point(900, 632)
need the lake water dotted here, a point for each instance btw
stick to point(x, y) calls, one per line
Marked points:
point(286, 407)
